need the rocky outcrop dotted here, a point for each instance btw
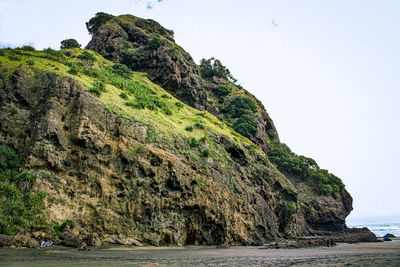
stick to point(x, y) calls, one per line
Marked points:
point(144, 45)
point(82, 154)
point(353, 235)
point(303, 242)
point(22, 240)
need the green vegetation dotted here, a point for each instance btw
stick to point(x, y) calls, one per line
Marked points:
point(179, 104)
point(121, 70)
point(69, 43)
point(52, 54)
point(155, 42)
point(221, 91)
point(95, 22)
point(304, 169)
point(134, 97)
point(241, 112)
point(194, 142)
point(14, 57)
point(139, 150)
point(59, 228)
point(205, 153)
point(74, 70)
point(189, 128)
point(87, 56)
point(97, 88)
point(246, 127)
point(214, 68)
point(200, 182)
point(239, 105)
point(20, 208)
point(199, 125)
point(291, 206)
point(123, 95)
point(13, 111)
point(27, 48)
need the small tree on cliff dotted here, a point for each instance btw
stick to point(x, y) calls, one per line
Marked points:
point(94, 23)
point(69, 43)
point(214, 68)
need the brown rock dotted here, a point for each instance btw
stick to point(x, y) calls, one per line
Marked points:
point(93, 240)
point(6, 241)
point(39, 235)
point(71, 240)
point(25, 241)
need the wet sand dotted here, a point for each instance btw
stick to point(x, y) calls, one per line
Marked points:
point(362, 254)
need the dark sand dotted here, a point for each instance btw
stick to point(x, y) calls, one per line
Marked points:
point(362, 254)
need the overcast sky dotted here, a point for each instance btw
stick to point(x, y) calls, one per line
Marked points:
point(328, 72)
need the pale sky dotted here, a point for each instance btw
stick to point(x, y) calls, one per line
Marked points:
point(328, 72)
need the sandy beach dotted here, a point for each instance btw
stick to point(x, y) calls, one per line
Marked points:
point(361, 254)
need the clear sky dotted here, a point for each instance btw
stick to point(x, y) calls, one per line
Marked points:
point(328, 72)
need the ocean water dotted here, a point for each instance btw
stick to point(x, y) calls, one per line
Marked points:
point(381, 229)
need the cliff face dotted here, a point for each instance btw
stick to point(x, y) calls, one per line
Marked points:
point(144, 45)
point(119, 156)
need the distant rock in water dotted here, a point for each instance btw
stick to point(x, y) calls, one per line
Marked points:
point(389, 236)
point(133, 143)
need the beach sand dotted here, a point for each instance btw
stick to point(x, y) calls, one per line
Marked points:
point(361, 254)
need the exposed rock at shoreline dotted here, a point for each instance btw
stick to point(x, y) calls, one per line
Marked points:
point(350, 235)
point(18, 241)
point(302, 242)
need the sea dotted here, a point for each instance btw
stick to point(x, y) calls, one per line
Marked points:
point(381, 229)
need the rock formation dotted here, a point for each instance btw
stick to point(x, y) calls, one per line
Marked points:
point(122, 160)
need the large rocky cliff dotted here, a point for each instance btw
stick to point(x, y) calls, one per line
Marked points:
point(118, 154)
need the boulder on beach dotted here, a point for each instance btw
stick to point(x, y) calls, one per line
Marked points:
point(71, 240)
point(93, 240)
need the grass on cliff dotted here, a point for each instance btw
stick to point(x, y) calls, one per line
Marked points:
point(132, 95)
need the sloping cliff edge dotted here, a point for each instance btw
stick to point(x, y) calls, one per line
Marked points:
point(131, 142)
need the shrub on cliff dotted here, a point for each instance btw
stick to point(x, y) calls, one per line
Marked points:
point(27, 48)
point(20, 209)
point(221, 91)
point(69, 43)
point(122, 70)
point(241, 112)
point(97, 88)
point(240, 105)
point(53, 54)
point(155, 42)
point(8, 158)
point(87, 56)
point(245, 128)
point(95, 22)
point(214, 68)
point(305, 169)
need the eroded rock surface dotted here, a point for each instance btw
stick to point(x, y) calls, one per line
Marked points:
point(82, 154)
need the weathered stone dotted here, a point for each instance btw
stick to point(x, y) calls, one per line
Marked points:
point(93, 240)
point(25, 241)
point(6, 241)
point(71, 240)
